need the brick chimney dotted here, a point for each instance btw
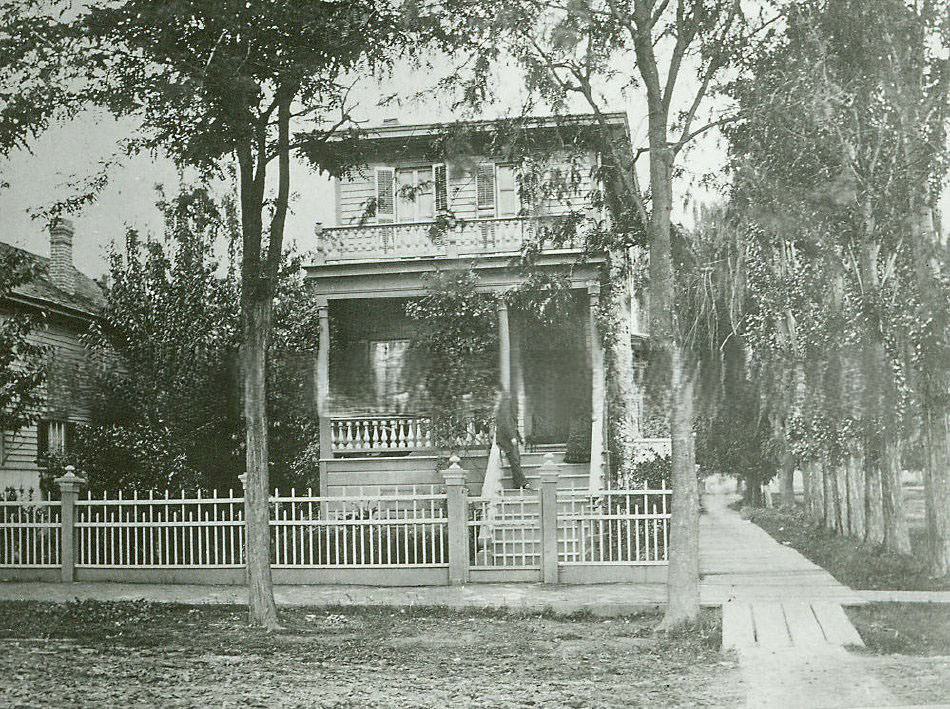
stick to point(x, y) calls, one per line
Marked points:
point(61, 255)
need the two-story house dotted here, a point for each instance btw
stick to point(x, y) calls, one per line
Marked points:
point(64, 302)
point(427, 199)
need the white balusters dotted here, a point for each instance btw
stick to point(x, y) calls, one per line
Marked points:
point(380, 433)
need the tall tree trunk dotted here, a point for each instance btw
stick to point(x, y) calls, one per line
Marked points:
point(815, 504)
point(830, 517)
point(896, 534)
point(624, 422)
point(788, 479)
point(259, 273)
point(683, 570)
point(256, 325)
point(873, 499)
point(937, 491)
point(856, 507)
point(841, 499)
point(933, 383)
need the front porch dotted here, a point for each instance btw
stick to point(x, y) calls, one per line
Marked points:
point(376, 427)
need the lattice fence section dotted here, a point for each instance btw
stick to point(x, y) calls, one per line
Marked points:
point(407, 529)
point(29, 533)
point(613, 526)
point(160, 532)
point(505, 531)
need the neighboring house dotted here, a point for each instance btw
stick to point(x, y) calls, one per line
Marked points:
point(65, 302)
point(423, 203)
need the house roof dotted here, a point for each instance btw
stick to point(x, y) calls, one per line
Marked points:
point(87, 301)
point(418, 130)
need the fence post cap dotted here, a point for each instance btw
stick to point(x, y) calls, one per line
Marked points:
point(549, 471)
point(70, 478)
point(454, 474)
point(243, 478)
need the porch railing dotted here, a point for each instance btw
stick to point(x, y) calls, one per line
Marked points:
point(371, 433)
point(429, 239)
point(374, 433)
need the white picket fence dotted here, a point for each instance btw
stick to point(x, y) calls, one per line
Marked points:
point(308, 531)
point(366, 531)
point(505, 532)
point(398, 528)
point(160, 532)
point(29, 533)
point(628, 526)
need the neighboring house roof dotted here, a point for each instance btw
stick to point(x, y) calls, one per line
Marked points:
point(88, 299)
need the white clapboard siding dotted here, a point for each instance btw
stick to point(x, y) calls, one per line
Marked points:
point(355, 192)
point(67, 393)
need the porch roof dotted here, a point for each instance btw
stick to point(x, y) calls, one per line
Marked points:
point(405, 278)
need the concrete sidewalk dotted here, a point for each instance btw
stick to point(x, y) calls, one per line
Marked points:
point(602, 600)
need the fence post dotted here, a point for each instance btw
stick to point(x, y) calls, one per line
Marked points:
point(549, 476)
point(68, 492)
point(457, 504)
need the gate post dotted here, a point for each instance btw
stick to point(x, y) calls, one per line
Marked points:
point(68, 494)
point(548, 494)
point(456, 494)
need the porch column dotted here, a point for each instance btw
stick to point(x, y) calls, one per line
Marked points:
point(504, 346)
point(323, 385)
point(518, 393)
point(597, 392)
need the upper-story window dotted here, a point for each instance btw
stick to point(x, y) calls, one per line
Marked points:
point(411, 194)
point(496, 190)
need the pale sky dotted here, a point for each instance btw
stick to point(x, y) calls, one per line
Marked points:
point(68, 154)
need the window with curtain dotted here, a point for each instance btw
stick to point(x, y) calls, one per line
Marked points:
point(509, 202)
point(387, 361)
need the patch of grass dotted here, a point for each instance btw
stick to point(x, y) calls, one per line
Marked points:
point(903, 628)
point(144, 653)
point(856, 564)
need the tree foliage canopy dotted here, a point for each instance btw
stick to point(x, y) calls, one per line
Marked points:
point(22, 360)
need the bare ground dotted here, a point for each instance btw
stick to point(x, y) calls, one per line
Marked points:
point(127, 653)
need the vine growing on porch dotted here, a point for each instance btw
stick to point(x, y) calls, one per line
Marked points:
point(457, 340)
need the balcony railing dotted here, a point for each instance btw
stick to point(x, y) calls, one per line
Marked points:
point(432, 239)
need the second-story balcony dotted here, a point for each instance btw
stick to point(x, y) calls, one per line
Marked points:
point(433, 239)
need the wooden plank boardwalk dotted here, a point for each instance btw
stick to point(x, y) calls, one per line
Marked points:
point(772, 596)
point(784, 617)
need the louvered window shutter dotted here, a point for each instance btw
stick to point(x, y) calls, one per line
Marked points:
point(42, 441)
point(69, 437)
point(440, 178)
point(385, 194)
point(485, 186)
